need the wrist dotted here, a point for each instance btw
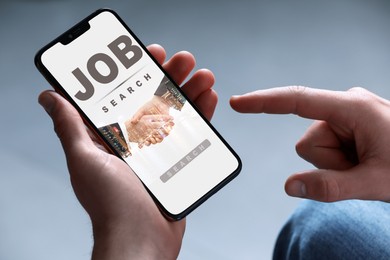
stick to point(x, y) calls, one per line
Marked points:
point(122, 243)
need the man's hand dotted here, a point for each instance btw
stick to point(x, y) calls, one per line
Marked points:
point(149, 129)
point(155, 106)
point(126, 222)
point(349, 142)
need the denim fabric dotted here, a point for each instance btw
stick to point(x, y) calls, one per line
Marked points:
point(351, 229)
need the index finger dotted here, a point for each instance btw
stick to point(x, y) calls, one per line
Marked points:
point(302, 101)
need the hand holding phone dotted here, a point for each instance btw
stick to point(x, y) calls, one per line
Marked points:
point(110, 192)
point(108, 75)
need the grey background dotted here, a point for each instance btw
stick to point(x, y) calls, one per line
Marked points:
point(249, 45)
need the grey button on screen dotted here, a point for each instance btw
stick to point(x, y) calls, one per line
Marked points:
point(185, 160)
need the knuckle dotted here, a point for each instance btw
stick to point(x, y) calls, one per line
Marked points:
point(297, 92)
point(364, 101)
point(361, 97)
point(330, 188)
point(369, 104)
point(358, 89)
point(302, 147)
point(297, 89)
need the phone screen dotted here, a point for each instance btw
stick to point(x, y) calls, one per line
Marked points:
point(145, 119)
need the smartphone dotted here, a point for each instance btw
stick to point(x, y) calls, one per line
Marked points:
point(138, 112)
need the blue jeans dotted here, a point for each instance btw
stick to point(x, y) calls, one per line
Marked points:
point(351, 229)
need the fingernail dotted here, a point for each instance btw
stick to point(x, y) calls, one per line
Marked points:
point(47, 102)
point(296, 188)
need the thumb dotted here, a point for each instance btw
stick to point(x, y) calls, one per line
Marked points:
point(360, 182)
point(67, 122)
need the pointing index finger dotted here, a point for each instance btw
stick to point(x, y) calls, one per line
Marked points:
point(303, 101)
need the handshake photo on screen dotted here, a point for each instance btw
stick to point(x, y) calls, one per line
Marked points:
point(150, 124)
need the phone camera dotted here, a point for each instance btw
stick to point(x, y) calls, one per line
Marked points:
point(70, 36)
